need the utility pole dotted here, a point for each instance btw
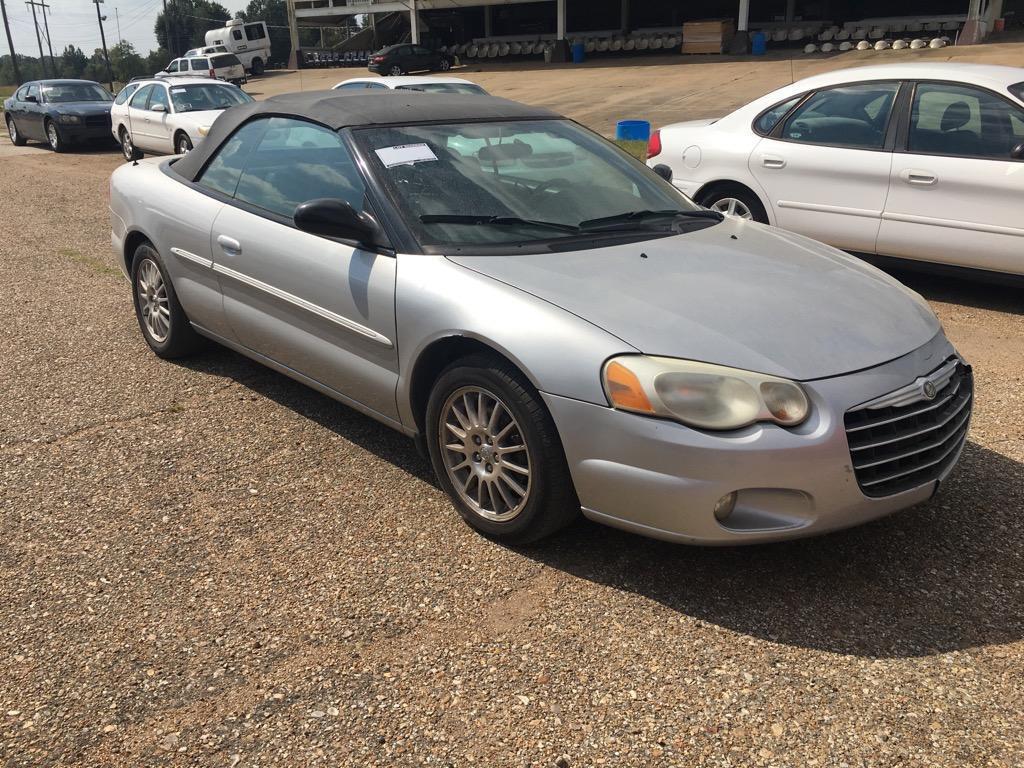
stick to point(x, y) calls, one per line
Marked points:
point(167, 33)
point(46, 28)
point(117, 19)
point(103, 40)
point(10, 44)
point(35, 21)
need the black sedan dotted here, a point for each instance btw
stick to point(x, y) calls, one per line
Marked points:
point(400, 59)
point(58, 112)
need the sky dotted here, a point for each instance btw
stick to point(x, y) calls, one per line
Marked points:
point(73, 22)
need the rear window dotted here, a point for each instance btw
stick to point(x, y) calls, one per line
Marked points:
point(225, 60)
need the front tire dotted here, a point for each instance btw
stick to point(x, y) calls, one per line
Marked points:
point(182, 144)
point(734, 200)
point(53, 137)
point(496, 451)
point(12, 130)
point(163, 322)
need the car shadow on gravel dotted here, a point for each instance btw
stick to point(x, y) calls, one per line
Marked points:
point(996, 293)
point(944, 576)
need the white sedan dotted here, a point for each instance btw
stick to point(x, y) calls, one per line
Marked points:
point(169, 117)
point(912, 161)
point(406, 83)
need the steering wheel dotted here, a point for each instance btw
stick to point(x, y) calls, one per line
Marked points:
point(557, 183)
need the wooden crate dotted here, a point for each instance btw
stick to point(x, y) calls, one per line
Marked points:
point(707, 35)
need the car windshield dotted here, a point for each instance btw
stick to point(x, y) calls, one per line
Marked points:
point(468, 89)
point(522, 182)
point(206, 96)
point(66, 93)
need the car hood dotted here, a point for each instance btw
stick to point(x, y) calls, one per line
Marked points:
point(201, 118)
point(738, 293)
point(82, 107)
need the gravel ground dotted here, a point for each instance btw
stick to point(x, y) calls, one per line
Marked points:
point(208, 564)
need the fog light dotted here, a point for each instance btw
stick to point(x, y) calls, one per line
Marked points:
point(725, 506)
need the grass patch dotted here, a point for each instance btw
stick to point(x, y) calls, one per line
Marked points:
point(97, 265)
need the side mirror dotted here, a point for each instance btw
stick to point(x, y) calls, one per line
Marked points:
point(664, 171)
point(32, 99)
point(1017, 153)
point(158, 108)
point(329, 217)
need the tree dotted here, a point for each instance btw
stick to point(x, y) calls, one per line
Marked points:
point(186, 22)
point(72, 62)
point(126, 62)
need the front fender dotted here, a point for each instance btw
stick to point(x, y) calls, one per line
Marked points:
point(560, 353)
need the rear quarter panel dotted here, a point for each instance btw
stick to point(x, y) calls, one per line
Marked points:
point(149, 203)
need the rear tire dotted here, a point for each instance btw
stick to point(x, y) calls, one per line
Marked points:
point(164, 324)
point(445, 65)
point(396, 71)
point(12, 130)
point(128, 146)
point(506, 472)
point(734, 200)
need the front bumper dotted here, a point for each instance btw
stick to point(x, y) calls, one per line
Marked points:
point(84, 132)
point(662, 479)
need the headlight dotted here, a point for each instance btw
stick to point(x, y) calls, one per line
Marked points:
point(69, 119)
point(700, 394)
point(204, 130)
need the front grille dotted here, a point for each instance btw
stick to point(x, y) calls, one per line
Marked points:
point(97, 120)
point(900, 447)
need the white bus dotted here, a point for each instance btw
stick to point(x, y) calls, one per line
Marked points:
point(249, 41)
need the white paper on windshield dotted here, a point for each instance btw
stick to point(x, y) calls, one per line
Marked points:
point(406, 154)
point(177, 90)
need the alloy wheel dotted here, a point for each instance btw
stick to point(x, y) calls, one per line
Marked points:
point(184, 145)
point(51, 134)
point(395, 71)
point(153, 302)
point(730, 206)
point(12, 129)
point(485, 454)
point(127, 148)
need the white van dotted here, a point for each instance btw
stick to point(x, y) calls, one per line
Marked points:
point(220, 66)
point(249, 41)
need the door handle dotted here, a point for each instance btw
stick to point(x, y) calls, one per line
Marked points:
point(772, 161)
point(229, 245)
point(918, 178)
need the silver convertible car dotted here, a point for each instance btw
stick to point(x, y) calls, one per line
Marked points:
point(555, 324)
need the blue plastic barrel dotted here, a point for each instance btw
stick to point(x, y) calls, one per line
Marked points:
point(633, 136)
point(758, 44)
point(579, 53)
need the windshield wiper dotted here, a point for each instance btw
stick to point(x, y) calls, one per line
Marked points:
point(633, 217)
point(497, 221)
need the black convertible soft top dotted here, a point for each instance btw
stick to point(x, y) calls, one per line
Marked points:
point(336, 110)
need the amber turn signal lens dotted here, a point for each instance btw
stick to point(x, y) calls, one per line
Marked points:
point(624, 389)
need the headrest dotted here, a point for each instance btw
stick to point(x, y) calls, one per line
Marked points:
point(957, 115)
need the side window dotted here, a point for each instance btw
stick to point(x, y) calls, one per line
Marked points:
point(375, 85)
point(236, 34)
point(33, 90)
point(963, 121)
point(298, 161)
point(254, 31)
point(853, 116)
point(770, 118)
point(141, 97)
point(200, 65)
point(173, 66)
point(127, 91)
point(352, 87)
point(223, 171)
point(159, 97)
point(21, 94)
point(419, 50)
